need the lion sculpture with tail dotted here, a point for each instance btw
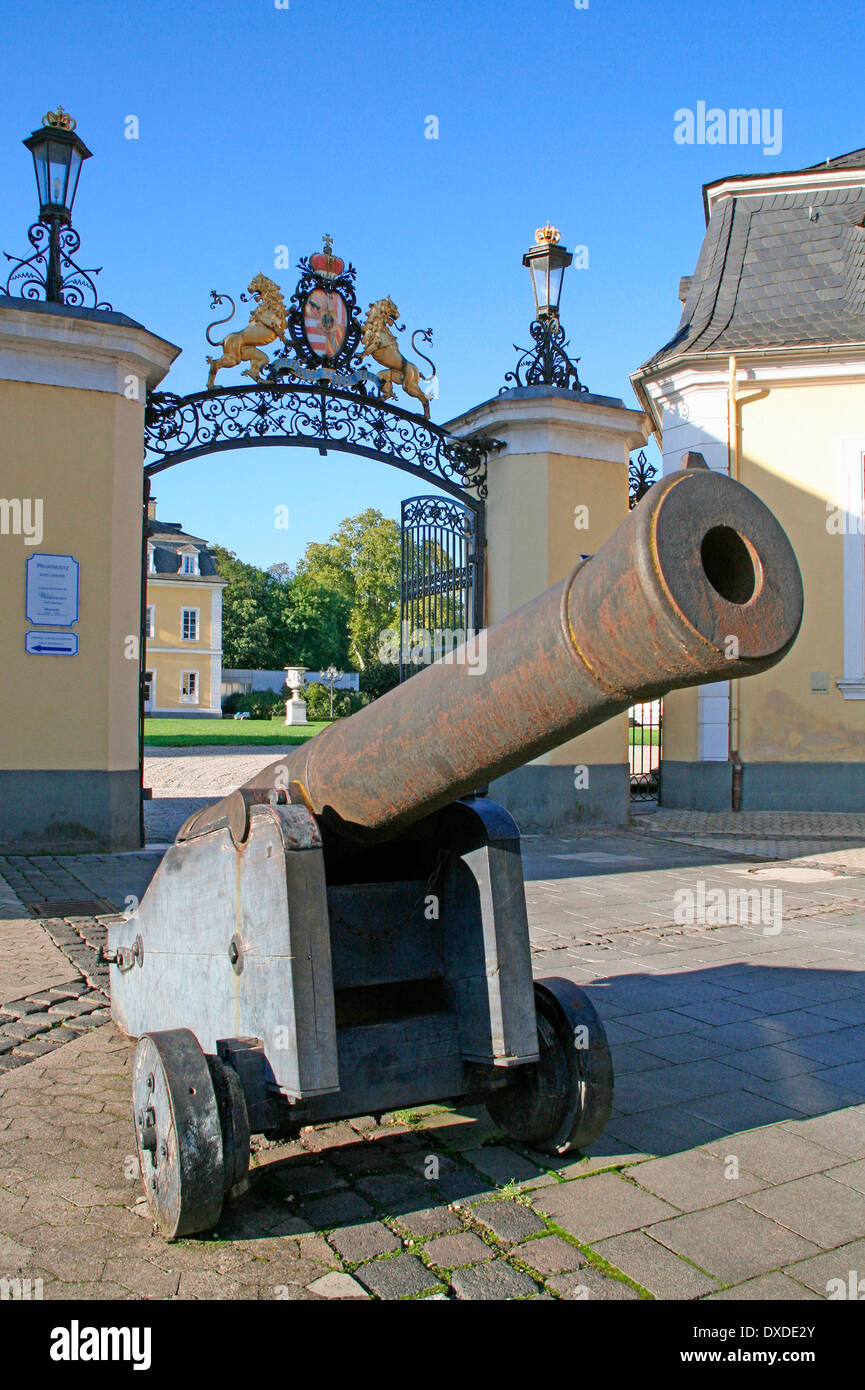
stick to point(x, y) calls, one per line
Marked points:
point(380, 344)
point(266, 324)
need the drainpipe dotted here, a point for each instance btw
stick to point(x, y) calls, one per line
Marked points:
point(143, 792)
point(733, 469)
point(732, 422)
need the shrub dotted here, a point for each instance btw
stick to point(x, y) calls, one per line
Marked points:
point(378, 678)
point(317, 698)
point(258, 704)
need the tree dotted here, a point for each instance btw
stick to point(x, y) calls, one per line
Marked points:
point(271, 618)
point(360, 562)
point(247, 613)
point(335, 607)
point(312, 623)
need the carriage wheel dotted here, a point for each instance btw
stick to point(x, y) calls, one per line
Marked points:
point(563, 1101)
point(179, 1133)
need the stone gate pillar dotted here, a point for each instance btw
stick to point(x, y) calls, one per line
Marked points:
point(557, 490)
point(72, 393)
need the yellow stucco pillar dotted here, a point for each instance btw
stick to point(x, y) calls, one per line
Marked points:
point(72, 391)
point(557, 489)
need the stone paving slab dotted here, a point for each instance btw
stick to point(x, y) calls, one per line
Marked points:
point(731, 1242)
point(775, 1287)
point(656, 1268)
point(816, 1207)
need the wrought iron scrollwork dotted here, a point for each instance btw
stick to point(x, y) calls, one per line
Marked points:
point(641, 476)
point(313, 416)
point(28, 278)
point(547, 363)
point(436, 511)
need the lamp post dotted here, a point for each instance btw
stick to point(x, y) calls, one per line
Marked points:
point(58, 154)
point(51, 273)
point(332, 677)
point(547, 364)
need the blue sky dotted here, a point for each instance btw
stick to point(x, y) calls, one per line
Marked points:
point(261, 126)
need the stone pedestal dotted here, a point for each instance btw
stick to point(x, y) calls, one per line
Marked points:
point(295, 708)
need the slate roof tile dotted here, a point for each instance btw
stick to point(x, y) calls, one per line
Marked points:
point(768, 274)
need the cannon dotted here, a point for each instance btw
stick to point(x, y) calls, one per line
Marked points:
point(346, 934)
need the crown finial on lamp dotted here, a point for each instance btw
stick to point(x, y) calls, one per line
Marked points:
point(548, 235)
point(60, 119)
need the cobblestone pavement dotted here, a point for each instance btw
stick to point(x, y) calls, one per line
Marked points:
point(733, 1166)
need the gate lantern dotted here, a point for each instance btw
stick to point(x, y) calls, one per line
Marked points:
point(340, 936)
point(58, 154)
point(548, 363)
point(547, 261)
point(50, 272)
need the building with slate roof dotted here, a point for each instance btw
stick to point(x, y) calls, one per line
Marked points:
point(183, 623)
point(765, 377)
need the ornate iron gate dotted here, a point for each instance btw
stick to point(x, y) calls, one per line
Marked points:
point(441, 578)
point(645, 721)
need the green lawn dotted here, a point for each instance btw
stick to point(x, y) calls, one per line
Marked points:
point(644, 736)
point(187, 733)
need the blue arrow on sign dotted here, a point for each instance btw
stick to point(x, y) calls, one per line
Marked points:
point(51, 643)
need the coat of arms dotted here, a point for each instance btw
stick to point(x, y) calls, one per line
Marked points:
point(323, 336)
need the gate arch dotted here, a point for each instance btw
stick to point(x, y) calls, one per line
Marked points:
point(320, 397)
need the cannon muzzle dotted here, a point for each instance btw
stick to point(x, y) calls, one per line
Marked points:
point(698, 584)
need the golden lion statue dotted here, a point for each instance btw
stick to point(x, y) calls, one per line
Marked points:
point(380, 344)
point(266, 323)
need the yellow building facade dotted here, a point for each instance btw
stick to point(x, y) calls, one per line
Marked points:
point(766, 378)
point(183, 624)
point(72, 389)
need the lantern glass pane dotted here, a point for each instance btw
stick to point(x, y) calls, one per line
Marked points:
point(556, 276)
point(40, 164)
point(539, 278)
point(74, 171)
point(59, 159)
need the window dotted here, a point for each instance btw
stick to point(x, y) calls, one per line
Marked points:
point(189, 624)
point(189, 688)
point(149, 621)
point(189, 564)
point(151, 564)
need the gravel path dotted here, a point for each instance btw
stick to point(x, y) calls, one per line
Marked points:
point(205, 771)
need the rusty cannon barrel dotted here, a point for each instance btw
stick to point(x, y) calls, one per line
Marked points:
point(698, 584)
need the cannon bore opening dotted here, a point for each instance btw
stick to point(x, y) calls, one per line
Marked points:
point(729, 564)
